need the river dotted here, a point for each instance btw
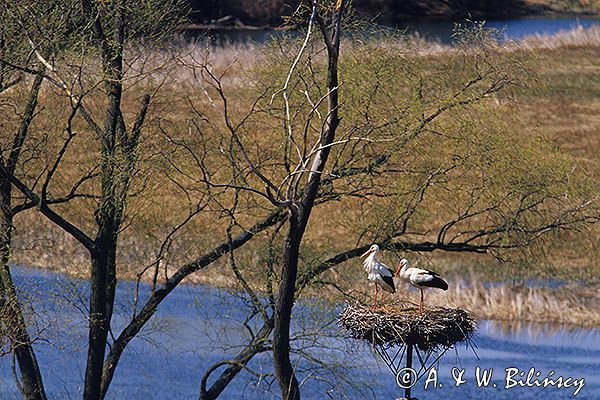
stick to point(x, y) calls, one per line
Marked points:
point(440, 31)
point(199, 325)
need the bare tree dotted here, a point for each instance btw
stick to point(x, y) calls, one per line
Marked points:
point(300, 207)
point(109, 27)
point(21, 342)
point(14, 59)
point(417, 136)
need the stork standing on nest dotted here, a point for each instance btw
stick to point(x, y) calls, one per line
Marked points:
point(378, 272)
point(420, 278)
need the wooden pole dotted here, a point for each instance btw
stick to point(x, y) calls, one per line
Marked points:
point(409, 363)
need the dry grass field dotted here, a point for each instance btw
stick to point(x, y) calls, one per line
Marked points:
point(559, 106)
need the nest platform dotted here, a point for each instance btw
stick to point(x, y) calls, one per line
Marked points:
point(401, 324)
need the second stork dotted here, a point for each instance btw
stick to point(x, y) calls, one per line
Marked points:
point(420, 278)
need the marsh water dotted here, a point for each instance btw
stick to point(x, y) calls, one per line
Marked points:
point(440, 31)
point(198, 325)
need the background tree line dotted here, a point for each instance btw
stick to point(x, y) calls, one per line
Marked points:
point(271, 12)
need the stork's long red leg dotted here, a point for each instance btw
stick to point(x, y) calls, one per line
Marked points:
point(373, 302)
point(374, 297)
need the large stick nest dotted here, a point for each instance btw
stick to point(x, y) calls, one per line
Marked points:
point(400, 324)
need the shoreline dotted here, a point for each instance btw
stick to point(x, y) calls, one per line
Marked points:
point(468, 294)
point(234, 23)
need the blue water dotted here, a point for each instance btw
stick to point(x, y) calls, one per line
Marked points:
point(441, 31)
point(198, 325)
point(512, 29)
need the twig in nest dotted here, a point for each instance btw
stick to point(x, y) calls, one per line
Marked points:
point(400, 324)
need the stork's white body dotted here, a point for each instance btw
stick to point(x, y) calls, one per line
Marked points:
point(378, 272)
point(416, 276)
point(420, 278)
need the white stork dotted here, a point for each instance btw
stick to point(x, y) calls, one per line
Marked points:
point(420, 278)
point(378, 272)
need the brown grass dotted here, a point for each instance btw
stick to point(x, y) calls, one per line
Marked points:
point(564, 108)
point(510, 302)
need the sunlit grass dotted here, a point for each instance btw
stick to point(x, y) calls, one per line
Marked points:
point(563, 106)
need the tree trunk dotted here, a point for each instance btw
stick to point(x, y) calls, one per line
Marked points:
point(110, 211)
point(31, 378)
point(103, 265)
point(299, 217)
point(283, 311)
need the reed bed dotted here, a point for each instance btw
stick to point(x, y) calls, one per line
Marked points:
point(576, 37)
point(246, 55)
point(567, 305)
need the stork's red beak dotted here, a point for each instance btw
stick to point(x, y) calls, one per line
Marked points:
point(367, 253)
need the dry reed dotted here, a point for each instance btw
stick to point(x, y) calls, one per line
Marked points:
point(510, 302)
